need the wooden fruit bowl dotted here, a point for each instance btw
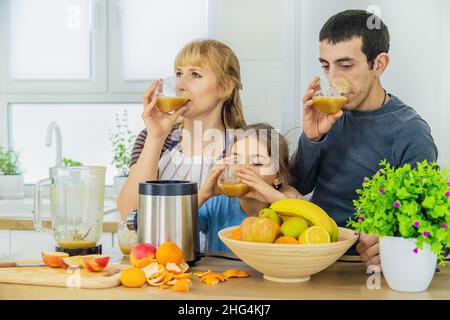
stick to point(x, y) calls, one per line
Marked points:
point(289, 262)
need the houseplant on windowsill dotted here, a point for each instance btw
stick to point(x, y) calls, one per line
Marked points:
point(409, 209)
point(122, 141)
point(11, 178)
point(71, 163)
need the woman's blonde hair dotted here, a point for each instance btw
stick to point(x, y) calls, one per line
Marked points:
point(226, 66)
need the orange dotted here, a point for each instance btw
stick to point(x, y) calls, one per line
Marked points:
point(133, 278)
point(277, 228)
point(236, 234)
point(286, 240)
point(169, 252)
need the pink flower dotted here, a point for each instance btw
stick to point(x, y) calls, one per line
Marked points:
point(361, 219)
point(365, 180)
point(444, 226)
point(416, 224)
point(396, 204)
point(426, 234)
point(448, 184)
point(447, 194)
point(416, 251)
point(382, 191)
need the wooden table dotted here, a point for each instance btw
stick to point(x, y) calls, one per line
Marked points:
point(343, 280)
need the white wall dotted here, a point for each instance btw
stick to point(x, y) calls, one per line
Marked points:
point(253, 29)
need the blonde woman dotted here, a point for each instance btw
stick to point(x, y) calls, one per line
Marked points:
point(169, 149)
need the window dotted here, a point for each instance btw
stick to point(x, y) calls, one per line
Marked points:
point(84, 132)
point(149, 35)
point(53, 46)
point(50, 40)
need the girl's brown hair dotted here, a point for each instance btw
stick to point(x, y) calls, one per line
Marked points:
point(280, 155)
point(226, 66)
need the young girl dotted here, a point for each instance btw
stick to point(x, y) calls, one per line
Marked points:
point(168, 149)
point(256, 163)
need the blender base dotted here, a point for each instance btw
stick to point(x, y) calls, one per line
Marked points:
point(81, 251)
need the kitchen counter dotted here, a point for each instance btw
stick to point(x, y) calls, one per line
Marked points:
point(17, 214)
point(343, 280)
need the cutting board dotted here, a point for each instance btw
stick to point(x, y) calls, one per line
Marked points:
point(58, 277)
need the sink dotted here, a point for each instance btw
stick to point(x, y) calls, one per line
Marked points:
point(24, 207)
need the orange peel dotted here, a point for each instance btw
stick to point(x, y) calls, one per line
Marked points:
point(213, 278)
point(202, 273)
point(182, 285)
point(164, 286)
point(174, 268)
point(234, 273)
point(152, 269)
point(184, 267)
point(166, 277)
point(183, 276)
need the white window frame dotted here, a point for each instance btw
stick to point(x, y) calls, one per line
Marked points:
point(97, 81)
point(116, 80)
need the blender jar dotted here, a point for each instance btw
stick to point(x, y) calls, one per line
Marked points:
point(76, 202)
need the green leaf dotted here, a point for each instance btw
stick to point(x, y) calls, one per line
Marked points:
point(402, 193)
point(428, 203)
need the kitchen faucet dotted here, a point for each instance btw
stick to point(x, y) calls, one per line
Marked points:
point(48, 141)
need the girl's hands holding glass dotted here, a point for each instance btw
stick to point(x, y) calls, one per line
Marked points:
point(259, 189)
point(210, 187)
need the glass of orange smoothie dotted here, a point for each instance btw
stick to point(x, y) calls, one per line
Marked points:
point(329, 98)
point(169, 97)
point(230, 185)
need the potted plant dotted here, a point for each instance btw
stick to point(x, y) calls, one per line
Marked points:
point(71, 163)
point(11, 178)
point(409, 210)
point(122, 141)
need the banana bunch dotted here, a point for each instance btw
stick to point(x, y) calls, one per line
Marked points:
point(309, 211)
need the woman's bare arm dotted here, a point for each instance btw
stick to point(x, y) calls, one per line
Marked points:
point(146, 168)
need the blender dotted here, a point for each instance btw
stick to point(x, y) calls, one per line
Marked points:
point(76, 204)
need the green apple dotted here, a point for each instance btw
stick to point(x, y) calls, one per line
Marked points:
point(272, 215)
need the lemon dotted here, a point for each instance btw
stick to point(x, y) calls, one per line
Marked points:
point(294, 227)
point(314, 235)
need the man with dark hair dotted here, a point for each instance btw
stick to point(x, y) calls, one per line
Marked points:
point(336, 152)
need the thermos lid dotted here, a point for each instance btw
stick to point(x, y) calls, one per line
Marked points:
point(167, 188)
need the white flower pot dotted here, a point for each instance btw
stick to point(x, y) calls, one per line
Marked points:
point(11, 187)
point(119, 181)
point(403, 269)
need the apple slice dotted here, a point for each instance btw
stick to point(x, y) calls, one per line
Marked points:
point(53, 259)
point(95, 262)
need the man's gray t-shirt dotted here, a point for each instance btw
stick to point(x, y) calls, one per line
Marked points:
point(336, 166)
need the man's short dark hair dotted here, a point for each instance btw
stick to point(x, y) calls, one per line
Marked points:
point(347, 24)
